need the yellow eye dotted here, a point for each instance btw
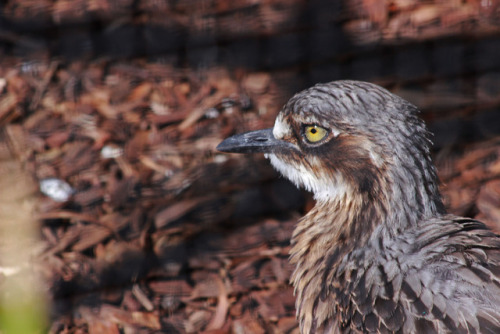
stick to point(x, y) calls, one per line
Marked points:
point(314, 133)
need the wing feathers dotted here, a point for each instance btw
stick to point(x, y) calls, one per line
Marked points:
point(448, 282)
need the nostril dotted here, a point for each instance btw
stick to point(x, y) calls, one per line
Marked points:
point(260, 139)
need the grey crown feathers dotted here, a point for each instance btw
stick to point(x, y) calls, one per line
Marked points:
point(377, 253)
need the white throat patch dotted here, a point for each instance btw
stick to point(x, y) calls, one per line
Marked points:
point(323, 190)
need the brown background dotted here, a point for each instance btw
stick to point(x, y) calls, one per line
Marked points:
point(170, 236)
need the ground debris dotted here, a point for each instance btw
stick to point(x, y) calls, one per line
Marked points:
point(150, 232)
point(471, 181)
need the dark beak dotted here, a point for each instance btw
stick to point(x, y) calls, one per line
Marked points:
point(260, 141)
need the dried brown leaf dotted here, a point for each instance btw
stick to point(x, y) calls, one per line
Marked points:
point(219, 317)
point(134, 319)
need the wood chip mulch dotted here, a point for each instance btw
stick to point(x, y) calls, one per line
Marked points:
point(395, 21)
point(144, 228)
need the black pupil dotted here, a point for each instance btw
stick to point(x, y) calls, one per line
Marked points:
point(313, 131)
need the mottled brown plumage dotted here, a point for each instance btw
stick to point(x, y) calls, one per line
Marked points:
point(378, 253)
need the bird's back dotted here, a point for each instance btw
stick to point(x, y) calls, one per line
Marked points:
point(443, 277)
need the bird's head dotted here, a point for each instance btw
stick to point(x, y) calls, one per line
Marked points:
point(349, 138)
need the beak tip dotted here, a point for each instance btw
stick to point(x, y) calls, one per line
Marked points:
point(225, 146)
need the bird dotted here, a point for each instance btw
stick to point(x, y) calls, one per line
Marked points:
point(378, 253)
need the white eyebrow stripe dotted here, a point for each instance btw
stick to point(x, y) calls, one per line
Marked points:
point(280, 129)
